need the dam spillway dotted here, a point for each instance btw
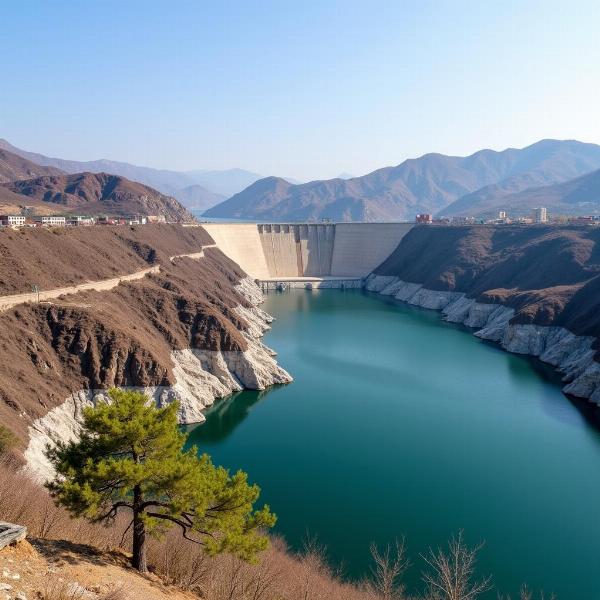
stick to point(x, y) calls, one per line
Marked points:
point(315, 252)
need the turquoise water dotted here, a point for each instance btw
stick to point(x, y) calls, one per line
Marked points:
point(398, 423)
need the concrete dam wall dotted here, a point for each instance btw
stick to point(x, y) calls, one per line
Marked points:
point(308, 250)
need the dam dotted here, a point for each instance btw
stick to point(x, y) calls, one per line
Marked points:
point(319, 254)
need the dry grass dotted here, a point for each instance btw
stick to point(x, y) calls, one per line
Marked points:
point(279, 574)
point(56, 588)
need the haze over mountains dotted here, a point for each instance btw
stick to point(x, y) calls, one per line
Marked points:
point(434, 183)
point(51, 191)
point(197, 189)
point(552, 173)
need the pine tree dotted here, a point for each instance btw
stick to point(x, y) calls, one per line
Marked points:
point(130, 457)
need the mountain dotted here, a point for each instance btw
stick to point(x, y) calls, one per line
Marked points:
point(579, 196)
point(14, 167)
point(196, 197)
point(99, 193)
point(423, 185)
point(226, 183)
point(222, 183)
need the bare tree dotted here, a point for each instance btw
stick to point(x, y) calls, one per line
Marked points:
point(527, 594)
point(389, 566)
point(452, 572)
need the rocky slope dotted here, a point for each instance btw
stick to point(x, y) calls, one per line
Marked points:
point(424, 185)
point(63, 257)
point(532, 289)
point(98, 194)
point(190, 332)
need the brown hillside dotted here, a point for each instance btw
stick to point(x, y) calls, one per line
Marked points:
point(119, 337)
point(14, 168)
point(100, 193)
point(550, 275)
point(61, 257)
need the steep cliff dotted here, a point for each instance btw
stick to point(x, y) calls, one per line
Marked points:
point(188, 332)
point(532, 289)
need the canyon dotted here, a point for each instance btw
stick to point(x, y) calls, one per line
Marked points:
point(179, 317)
point(532, 289)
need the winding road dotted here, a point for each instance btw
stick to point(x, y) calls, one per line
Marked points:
point(103, 285)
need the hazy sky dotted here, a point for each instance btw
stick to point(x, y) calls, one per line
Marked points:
point(306, 89)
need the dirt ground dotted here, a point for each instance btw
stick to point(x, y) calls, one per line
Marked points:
point(57, 570)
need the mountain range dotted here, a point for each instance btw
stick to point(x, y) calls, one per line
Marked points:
point(579, 196)
point(563, 175)
point(50, 190)
point(197, 189)
point(434, 183)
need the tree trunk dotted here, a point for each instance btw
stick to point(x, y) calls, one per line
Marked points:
point(139, 534)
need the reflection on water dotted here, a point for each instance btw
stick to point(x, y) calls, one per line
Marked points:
point(399, 423)
point(224, 416)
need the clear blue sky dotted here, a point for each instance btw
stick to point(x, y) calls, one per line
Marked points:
point(305, 89)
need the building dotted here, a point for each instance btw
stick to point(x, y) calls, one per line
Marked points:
point(424, 219)
point(12, 220)
point(581, 220)
point(156, 219)
point(136, 220)
point(78, 220)
point(502, 215)
point(462, 220)
point(51, 221)
point(540, 215)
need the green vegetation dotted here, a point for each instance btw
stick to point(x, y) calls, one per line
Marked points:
point(7, 439)
point(130, 458)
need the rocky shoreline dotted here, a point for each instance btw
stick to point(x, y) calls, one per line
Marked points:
point(572, 355)
point(201, 377)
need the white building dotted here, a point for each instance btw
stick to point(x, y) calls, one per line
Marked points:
point(540, 215)
point(78, 220)
point(51, 221)
point(12, 220)
point(502, 214)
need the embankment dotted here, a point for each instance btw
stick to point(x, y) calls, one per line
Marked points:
point(534, 290)
point(188, 331)
point(300, 250)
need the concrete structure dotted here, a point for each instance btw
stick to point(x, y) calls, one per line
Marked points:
point(308, 252)
point(51, 221)
point(540, 215)
point(12, 220)
point(79, 220)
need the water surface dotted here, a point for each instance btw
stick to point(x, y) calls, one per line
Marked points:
point(398, 423)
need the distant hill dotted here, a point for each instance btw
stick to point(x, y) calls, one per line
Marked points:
point(14, 167)
point(196, 197)
point(98, 193)
point(174, 183)
point(225, 183)
point(579, 196)
point(424, 185)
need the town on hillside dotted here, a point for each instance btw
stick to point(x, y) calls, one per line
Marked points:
point(539, 216)
point(29, 220)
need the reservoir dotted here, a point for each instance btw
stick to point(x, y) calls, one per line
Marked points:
point(398, 423)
